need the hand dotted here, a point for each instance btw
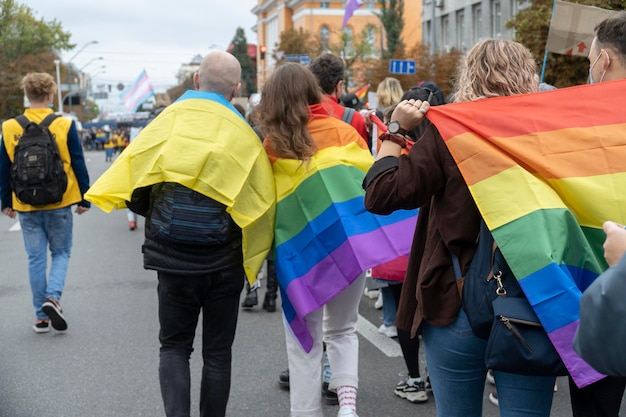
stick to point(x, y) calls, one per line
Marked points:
point(81, 209)
point(410, 113)
point(615, 243)
point(9, 212)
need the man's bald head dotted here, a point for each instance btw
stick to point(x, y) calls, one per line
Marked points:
point(219, 73)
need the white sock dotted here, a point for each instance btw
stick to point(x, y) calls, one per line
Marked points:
point(347, 396)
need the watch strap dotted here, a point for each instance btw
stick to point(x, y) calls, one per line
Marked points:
point(397, 139)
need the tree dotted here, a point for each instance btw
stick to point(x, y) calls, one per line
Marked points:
point(28, 45)
point(248, 71)
point(297, 41)
point(532, 25)
point(391, 16)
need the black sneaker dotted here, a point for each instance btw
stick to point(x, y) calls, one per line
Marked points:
point(53, 310)
point(330, 396)
point(414, 393)
point(41, 326)
point(283, 379)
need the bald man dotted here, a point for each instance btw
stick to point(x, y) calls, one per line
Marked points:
point(201, 163)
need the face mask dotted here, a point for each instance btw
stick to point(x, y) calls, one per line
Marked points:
point(591, 80)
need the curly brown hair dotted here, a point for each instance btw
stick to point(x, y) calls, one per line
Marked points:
point(496, 67)
point(283, 112)
point(37, 85)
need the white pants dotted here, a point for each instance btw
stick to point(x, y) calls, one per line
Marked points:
point(334, 324)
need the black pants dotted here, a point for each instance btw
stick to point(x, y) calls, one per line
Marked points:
point(181, 299)
point(410, 347)
point(600, 399)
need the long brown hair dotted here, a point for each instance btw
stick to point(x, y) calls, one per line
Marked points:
point(284, 112)
point(496, 67)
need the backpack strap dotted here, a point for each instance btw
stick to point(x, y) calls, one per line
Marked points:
point(46, 122)
point(22, 120)
point(348, 114)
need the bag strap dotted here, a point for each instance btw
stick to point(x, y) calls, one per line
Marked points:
point(348, 114)
point(22, 120)
point(485, 233)
point(46, 122)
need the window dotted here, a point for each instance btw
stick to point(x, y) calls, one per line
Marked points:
point(324, 36)
point(370, 35)
point(370, 4)
point(477, 22)
point(347, 40)
point(445, 32)
point(460, 29)
point(324, 5)
point(496, 19)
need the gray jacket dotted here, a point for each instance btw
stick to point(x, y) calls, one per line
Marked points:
point(601, 336)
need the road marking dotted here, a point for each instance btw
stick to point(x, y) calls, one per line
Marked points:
point(388, 346)
point(15, 228)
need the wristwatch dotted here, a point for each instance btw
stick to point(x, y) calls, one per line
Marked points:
point(394, 128)
point(398, 140)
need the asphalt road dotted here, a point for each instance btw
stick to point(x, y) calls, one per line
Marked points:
point(106, 363)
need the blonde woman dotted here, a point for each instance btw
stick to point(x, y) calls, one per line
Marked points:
point(449, 222)
point(389, 92)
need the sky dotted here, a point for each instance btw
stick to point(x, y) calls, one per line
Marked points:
point(155, 35)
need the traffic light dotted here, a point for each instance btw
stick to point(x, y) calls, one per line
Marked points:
point(263, 50)
point(95, 108)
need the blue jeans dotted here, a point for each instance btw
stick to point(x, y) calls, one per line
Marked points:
point(43, 229)
point(456, 365)
point(389, 305)
point(181, 299)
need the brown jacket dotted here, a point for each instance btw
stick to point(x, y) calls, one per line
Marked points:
point(448, 221)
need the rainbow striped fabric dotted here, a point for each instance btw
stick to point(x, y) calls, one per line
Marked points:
point(324, 238)
point(546, 170)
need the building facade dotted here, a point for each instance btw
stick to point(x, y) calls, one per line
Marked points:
point(459, 24)
point(324, 19)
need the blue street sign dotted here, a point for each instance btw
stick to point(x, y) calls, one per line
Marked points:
point(303, 59)
point(401, 66)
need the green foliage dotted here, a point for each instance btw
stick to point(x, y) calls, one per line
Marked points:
point(248, 71)
point(532, 25)
point(27, 45)
point(297, 41)
point(391, 16)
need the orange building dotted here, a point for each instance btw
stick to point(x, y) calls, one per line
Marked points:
point(324, 19)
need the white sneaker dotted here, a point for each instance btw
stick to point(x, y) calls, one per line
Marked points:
point(373, 294)
point(389, 331)
point(490, 378)
point(379, 303)
point(346, 411)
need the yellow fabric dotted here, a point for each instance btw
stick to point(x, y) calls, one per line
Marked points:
point(203, 145)
point(12, 131)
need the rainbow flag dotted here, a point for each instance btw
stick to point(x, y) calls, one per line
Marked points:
point(546, 170)
point(361, 93)
point(324, 238)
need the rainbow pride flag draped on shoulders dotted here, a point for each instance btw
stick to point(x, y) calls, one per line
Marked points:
point(324, 238)
point(546, 170)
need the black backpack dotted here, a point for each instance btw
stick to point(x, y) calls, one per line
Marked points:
point(37, 175)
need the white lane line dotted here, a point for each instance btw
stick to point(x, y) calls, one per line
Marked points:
point(389, 347)
point(15, 228)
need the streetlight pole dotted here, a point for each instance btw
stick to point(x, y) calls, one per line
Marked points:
point(95, 59)
point(60, 105)
point(69, 73)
